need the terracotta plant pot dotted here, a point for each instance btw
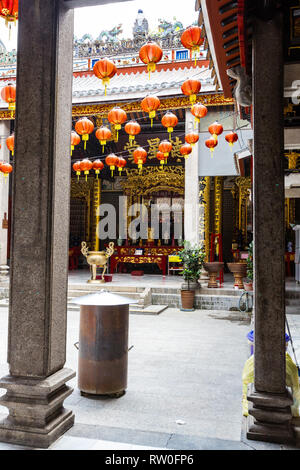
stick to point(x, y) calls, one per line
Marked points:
point(239, 270)
point(213, 268)
point(187, 300)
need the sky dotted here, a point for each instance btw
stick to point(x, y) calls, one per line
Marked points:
point(93, 20)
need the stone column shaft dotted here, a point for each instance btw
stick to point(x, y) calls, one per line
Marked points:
point(270, 412)
point(40, 232)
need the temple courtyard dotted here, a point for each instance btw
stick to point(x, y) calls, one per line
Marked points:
point(179, 367)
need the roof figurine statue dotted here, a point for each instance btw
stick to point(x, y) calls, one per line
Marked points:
point(140, 27)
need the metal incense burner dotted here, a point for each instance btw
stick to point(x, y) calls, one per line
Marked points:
point(97, 258)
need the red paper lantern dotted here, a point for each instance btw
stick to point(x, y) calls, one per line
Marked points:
point(8, 94)
point(192, 138)
point(199, 111)
point(85, 166)
point(165, 147)
point(103, 134)
point(10, 143)
point(191, 39)
point(231, 138)
point(132, 128)
point(185, 150)
point(150, 54)
point(121, 163)
point(76, 167)
point(75, 140)
point(215, 129)
point(117, 117)
point(111, 160)
point(104, 69)
point(169, 120)
point(191, 88)
point(6, 168)
point(98, 166)
point(150, 105)
point(140, 157)
point(211, 144)
point(161, 157)
point(84, 127)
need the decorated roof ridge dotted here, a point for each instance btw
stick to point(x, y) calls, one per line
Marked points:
point(139, 69)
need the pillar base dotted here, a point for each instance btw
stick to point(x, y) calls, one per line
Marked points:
point(270, 417)
point(36, 417)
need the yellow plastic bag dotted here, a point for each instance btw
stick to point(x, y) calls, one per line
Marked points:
point(292, 381)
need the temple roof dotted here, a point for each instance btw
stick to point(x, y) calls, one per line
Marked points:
point(134, 84)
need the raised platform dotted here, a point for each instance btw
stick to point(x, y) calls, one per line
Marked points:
point(155, 293)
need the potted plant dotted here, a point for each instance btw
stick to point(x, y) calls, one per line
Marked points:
point(192, 259)
point(248, 283)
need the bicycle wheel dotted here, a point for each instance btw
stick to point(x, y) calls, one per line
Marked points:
point(243, 302)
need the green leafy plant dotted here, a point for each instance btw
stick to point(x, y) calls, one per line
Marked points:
point(250, 262)
point(192, 258)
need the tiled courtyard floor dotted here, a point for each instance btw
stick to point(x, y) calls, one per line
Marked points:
point(185, 367)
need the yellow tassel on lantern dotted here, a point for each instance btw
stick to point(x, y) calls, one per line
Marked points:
point(117, 128)
point(170, 130)
point(78, 174)
point(152, 115)
point(102, 142)
point(86, 173)
point(151, 68)
point(85, 138)
point(112, 168)
point(105, 82)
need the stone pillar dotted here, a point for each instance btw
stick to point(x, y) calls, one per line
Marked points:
point(191, 190)
point(270, 413)
point(4, 192)
point(36, 386)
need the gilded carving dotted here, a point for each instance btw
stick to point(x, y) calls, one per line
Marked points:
point(139, 184)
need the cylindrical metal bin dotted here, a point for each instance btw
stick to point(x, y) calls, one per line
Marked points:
point(103, 344)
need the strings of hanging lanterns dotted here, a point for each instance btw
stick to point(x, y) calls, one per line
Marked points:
point(150, 54)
